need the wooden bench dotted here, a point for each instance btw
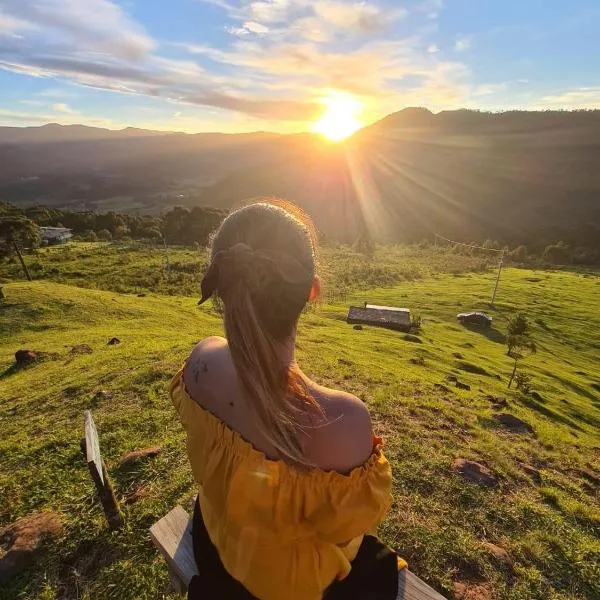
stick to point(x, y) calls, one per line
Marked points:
point(172, 535)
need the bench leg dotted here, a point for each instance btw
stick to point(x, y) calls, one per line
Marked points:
point(176, 584)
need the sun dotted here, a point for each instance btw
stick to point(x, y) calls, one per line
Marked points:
point(341, 117)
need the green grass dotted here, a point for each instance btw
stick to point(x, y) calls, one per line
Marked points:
point(139, 267)
point(437, 522)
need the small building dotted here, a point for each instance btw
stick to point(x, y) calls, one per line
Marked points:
point(390, 317)
point(55, 235)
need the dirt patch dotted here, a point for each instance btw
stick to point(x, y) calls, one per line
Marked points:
point(475, 472)
point(114, 341)
point(532, 473)
point(21, 541)
point(513, 424)
point(133, 457)
point(81, 349)
point(500, 554)
point(26, 357)
point(498, 402)
point(466, 590)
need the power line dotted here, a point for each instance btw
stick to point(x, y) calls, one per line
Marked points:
point(437, 235)
point(500, 265)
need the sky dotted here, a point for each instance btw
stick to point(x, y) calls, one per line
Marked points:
point(250, 65)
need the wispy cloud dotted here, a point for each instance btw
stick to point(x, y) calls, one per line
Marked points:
point(462, 43)
point(583, 97)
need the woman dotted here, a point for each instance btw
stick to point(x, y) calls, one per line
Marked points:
point(290, 476)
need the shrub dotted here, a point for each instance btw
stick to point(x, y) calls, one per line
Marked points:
point(105, 234)
point(90, 236)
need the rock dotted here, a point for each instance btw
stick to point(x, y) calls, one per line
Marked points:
point(513, 423)
point(466, 590)
point(475, 472)
point(141, 295)
point(133, 457)
point(102, 395)
point(498, 402)
point(458, 355)
point(532, 472)
point(462, 386)
point(537, 396)
point(344, 361)
point(441, 387)
point(412, 338)
point(500, 554)
point(358, 327)
point(21, 540)
point(419, 360)
point(114, 341)
point(81, 349)
point(25, 357)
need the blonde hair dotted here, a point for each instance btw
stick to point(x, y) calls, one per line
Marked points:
point(262, 269)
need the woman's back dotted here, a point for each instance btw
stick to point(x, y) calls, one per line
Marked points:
point(290, 477)
point(338, 440)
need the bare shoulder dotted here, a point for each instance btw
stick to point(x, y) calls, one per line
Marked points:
point(208, 366)
point(345, 439)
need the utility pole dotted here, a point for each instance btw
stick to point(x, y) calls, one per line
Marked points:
point(497, 278)
point(18, 252)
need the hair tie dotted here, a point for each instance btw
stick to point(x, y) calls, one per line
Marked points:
point(238, 257)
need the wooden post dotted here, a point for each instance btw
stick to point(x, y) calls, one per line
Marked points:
point(16, 247)
point(97, 468)
point(497, 278)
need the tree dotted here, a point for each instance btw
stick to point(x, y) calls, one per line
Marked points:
point(16, 233)
point(90, 236)
point(519, 341)
point(105, 234)
point(519, 254)
point(558, 254)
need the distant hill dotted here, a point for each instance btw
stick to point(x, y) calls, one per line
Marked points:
point(53, 132)
point(520, 177)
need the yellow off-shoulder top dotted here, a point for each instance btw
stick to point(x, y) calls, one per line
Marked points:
point(282, 532)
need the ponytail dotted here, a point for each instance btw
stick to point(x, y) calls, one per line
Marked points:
point(264, 292)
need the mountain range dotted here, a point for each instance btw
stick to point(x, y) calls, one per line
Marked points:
point(519, 177)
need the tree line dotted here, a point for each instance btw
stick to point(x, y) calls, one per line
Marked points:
point(178, 226)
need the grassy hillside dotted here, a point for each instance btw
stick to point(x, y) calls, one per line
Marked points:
point(439, 522)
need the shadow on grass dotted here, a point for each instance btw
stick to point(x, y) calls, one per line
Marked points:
point(468, 367)
point(84, 563)
point(548, 412)
point(492, 334)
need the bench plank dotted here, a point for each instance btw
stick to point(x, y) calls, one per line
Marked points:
point(172, 535)
point(92, 448)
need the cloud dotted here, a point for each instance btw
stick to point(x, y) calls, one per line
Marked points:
point(61, 107)
point(247, 28)
point(358, 16)
point(89, 25)
point(282, 58)
point(32, 102)
point(583, 97)
point(462, 43)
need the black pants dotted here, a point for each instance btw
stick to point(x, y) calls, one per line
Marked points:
point(374, 574)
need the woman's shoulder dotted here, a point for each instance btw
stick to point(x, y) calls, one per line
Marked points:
point(345, 439)
point(208, 365)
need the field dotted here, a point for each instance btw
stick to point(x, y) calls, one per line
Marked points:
point(544, 512)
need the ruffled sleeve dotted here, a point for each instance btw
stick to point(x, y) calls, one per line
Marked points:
point(343, 507)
